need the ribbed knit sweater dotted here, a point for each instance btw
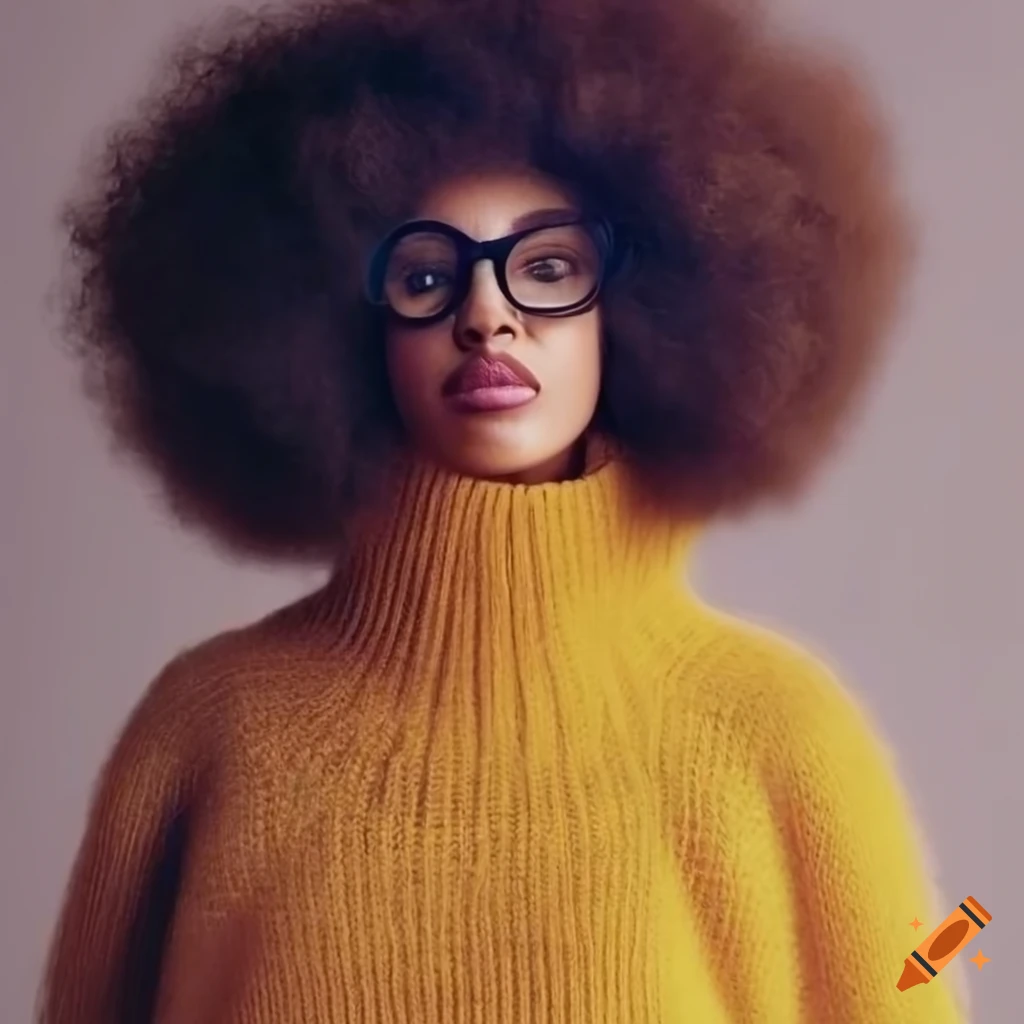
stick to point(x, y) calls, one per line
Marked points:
point(504, 768)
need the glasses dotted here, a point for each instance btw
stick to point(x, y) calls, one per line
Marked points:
point(423, 270)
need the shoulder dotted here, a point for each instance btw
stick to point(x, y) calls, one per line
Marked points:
point(783, 700)
point(212, 688)
point(797, 739)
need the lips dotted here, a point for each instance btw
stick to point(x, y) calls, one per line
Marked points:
point(481, 373)
point(490, 385)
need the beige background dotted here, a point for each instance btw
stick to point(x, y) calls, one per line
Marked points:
point(905, 567)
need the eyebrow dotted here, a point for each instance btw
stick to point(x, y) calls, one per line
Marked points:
point(547, 217)
point(543, 218)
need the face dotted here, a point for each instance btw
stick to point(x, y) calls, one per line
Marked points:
point(454, 380)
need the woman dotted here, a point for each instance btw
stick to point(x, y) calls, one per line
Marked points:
point(491, 308)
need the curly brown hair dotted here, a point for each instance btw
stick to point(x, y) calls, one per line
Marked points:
point(217, 249)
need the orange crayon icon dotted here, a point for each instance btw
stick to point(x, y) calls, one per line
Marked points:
point(944, 943)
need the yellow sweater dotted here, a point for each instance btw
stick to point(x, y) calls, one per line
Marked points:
point(505, 768)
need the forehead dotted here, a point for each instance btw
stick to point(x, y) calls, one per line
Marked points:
point(491, 204)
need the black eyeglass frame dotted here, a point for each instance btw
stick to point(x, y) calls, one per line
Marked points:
point(469, 252)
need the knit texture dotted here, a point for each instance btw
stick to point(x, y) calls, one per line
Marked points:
point(504, 768)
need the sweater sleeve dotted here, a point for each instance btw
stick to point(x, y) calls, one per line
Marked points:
point(859, 873)
point(104, 961)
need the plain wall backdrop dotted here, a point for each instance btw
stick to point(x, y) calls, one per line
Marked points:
point(904, 567)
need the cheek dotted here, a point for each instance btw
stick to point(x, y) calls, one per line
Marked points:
point(577, 361)
point(416, 365)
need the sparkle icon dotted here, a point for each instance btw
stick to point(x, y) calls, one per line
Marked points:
point(980, 960)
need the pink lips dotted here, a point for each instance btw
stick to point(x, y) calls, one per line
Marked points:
point(487, 385)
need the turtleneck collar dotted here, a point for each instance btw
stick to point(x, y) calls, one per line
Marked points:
point(454, 560)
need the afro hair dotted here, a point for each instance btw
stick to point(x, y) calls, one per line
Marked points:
point(217, 247)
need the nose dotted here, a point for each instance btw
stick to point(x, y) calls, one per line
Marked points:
point(485, 314)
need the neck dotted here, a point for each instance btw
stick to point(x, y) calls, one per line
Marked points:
point(566, 465)
point(450, 561)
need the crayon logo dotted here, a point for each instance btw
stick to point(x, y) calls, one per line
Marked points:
point(943, 944)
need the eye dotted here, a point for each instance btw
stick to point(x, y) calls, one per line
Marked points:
point(423, 280)
point(550, 269)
